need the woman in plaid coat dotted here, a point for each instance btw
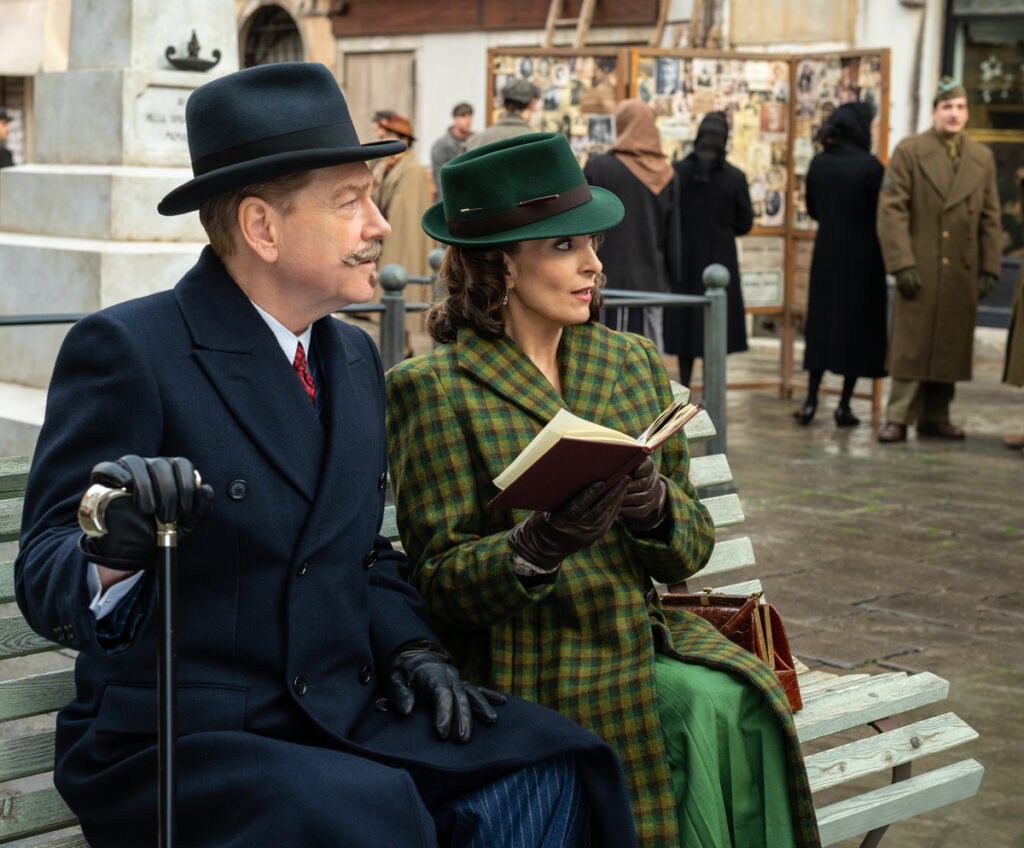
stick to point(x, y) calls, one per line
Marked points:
point(556, 606)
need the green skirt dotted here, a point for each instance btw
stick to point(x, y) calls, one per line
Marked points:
point(727, 758)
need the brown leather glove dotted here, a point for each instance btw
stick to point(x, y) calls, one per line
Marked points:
point(544, 539)
point(986, 282)
point(908, 282)
point(643, 508)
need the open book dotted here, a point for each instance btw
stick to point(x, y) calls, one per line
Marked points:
point(570, 453)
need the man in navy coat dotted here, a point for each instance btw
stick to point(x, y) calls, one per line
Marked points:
point(313, 698)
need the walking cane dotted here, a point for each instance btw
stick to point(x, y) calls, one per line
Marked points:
point(91, 513)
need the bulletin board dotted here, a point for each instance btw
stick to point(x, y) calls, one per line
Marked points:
point(753, 90)
point(776, 105)
point(579, 91)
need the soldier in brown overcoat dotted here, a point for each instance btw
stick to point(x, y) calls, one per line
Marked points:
point(939, 227)
point(1013, 370)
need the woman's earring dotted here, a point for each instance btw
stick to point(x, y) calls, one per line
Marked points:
point(504, 300)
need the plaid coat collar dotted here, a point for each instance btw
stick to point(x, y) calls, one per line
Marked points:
point(585, 362)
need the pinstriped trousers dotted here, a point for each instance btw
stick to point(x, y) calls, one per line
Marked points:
point(539, 806)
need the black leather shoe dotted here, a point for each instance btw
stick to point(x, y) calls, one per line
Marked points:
point(845, 418)
point(893, 432)
point(805, 414)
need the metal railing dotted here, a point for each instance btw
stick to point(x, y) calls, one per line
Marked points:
point(393, 309)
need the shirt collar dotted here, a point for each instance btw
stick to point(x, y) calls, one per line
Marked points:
point(288, 341)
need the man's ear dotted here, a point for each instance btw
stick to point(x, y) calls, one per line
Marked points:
point(257, 222)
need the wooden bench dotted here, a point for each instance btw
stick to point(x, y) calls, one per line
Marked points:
point(833, 704)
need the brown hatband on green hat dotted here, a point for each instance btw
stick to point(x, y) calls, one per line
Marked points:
point(948, 89)
point(520, 188)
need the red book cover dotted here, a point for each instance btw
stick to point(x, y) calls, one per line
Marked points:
point(569, 467)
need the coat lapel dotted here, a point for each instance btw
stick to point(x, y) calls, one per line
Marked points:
point(968, 176)
point(244, 363)
point(936, 166)
point(501, 365)
point(588, 372)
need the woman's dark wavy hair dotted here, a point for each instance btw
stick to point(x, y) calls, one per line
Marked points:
point(474, 287)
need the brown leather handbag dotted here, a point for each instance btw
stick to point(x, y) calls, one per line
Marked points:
point(754, 626)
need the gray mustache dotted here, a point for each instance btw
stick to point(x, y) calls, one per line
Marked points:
point(371, 252)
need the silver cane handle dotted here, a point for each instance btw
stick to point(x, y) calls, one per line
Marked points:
point(93, 509)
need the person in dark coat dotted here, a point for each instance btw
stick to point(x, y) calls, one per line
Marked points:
point(644, 252)
point(715, 209)
point(845, 329)
point(313, 697)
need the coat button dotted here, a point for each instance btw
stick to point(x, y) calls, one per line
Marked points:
point(299, 685)
point(237, 489)
point(382, 481)
point(945, 233)
point(303, 568)
point(945, 260)
point(370, 560)
point(365, 674)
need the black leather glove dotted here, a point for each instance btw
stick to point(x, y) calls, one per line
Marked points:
point(986, 282)
point(643, 508)
point(425, 670)
point(546, 538)
point(160, 487)
point(908, 282)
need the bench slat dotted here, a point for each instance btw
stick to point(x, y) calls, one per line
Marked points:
point(13, 475)
point(17, 639)
point(75, 840)
point(710, 470)
point(920, 794)
point(26, 755)
point(37, 694)
point(728, 555)
point(887, 750)
point(868, 700)
point(10, 518)
point(725, 510)
point(825, 682)
point(846, 682)
point(699, 428)
point(32, 813)
point(6, 582)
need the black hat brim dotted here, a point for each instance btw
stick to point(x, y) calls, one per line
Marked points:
point(191, 195)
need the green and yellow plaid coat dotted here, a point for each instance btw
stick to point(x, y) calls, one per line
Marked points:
point(585, 645)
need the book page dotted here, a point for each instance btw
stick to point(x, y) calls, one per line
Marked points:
point(674, 417)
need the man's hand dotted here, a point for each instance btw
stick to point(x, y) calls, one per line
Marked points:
point(160, 488)
point(643, 508)
point(544, 539)
point(908, 283)
point(986, 282)
point(424, 670)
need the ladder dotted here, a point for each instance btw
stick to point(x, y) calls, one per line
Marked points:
point(557, 21)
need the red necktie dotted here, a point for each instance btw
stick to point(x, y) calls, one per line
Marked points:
point(299, 364)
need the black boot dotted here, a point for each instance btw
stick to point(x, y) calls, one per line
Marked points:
point(805, 414)
point(845, 418)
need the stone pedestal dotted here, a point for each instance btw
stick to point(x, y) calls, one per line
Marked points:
point(79, 229)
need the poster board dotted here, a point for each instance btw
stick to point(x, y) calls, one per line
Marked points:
point(579, 91)
point(754, 91)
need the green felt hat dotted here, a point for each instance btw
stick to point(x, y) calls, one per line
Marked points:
point(525, 187)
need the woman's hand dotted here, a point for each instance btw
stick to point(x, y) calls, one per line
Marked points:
point(643, 507)
point(544, 539)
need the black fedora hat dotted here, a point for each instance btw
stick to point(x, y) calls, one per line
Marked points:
point(262, 123)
